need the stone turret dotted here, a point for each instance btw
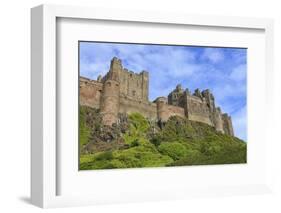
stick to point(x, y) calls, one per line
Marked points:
point(209, 99)
point(175, 95)
point(145, 83)
point(99, 78)
point(218, 122)
point(110, 100)
point(161, 102)
point(227, 124)
point(197, 93)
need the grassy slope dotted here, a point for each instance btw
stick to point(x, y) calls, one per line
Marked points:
point(181, 142)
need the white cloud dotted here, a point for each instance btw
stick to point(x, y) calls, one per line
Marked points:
point(173, 63)
point(168, 66)
point(239, 121)
point(214, 55)
point(238, 73)
point(224, 91)
point(92, 70)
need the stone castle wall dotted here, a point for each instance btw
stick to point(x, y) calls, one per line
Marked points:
point(147, 109)
point(122, 91)
point(90, 92)
point(91, 95)
point(197, 110)
point(165, 111)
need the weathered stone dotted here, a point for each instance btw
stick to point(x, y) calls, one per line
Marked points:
point(121, 92)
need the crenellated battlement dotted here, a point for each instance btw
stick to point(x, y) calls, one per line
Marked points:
point(123, 91)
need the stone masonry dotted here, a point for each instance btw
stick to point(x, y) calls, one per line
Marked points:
point(123, 91)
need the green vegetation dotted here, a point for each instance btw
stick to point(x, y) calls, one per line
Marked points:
point(136, 133)
point(139, 156)
point(181, 142)
point(84, 129)
point(174, 150)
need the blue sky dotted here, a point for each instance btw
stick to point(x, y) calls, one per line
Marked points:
point(222, 70)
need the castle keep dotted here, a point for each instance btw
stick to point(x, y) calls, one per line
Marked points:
point(123, 91)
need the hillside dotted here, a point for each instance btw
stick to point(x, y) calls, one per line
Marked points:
point(139, 142)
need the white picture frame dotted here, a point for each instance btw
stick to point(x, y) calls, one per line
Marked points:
point(44, 154)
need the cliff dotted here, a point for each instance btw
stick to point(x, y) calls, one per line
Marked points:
point(139, 142)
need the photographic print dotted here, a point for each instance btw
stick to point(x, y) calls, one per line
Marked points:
point(151, 105)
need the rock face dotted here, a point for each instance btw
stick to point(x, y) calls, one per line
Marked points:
point(102, 137)
point(122, 91)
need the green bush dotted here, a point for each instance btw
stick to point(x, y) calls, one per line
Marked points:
point(139, 156)
point(175, 150)
point(139, 122)
point(84, 130)
point(177, 128)
point(156, 141)
point(136, 133)
point(136, 142)
point(104, 156)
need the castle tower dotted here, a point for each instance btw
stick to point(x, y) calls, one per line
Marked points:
point(161, 103)
point(175, 95)
point(183, 101)
point(145, 83)
point(197, 93)
point(209, 99)
point(227, 124)
point(110, 99)
point(218, 122)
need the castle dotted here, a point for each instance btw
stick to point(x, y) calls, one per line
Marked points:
point(123, 91)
